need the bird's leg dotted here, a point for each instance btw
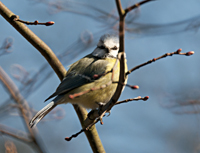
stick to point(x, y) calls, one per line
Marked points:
point(100, 104)
point(102, 114)
point(108, 113)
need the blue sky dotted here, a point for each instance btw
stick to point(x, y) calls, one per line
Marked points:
point(160, 124)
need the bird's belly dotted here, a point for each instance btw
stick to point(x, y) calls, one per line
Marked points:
point(93, 94)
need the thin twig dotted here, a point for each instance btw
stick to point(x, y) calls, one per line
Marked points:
point(133, 99)
point(22, 103)
point(36, 22)
point(128, 9)
point(81, 131)
point(34, 40)
point(21, 135)
point(103, 114)
point(121, 57)
point(6, 46)
point(178, 52)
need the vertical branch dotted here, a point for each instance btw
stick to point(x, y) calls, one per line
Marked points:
point(121, 54)
point(119, 7)
point(122, 14)
point(92, 134)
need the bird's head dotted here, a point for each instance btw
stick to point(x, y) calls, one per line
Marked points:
point(108, 46)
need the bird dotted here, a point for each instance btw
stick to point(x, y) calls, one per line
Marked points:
point(80, 78)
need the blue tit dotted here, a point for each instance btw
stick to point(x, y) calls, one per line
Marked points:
point(80, 78)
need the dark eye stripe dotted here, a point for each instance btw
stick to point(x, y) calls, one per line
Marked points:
point(101, 47)
point(114, 48)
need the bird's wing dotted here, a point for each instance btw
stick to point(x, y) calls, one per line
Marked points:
point(80, 73)
point(70, 82)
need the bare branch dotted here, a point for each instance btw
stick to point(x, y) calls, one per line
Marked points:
point(81, 131)
point(34, 40)
point(36, 22)
point(21, 135)
point(10, 147)
point(103, 114)
point(6, 46)
point(178, 52)
point(133, 99)
point(136, 5)
point(98, 114)
point(22, 103)
point(92, 135)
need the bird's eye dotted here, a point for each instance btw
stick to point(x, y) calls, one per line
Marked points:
point(101, 47)
point(114, 48)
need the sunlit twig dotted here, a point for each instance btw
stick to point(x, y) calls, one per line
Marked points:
point(36, 22)
point(178, 52)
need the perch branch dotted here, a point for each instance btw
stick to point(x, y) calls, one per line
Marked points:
point(91, 134)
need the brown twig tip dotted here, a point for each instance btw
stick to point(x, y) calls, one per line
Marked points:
point(49, 23)
point(189, 53)
point(68, 138)
point(134, 87)
point(71, 96)
point(131, 86)
point(179, 50)
point(146, 98)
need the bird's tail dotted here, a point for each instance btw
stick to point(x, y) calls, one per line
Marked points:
point(42, 113)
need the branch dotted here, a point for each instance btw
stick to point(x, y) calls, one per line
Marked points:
point(96, 115)
point(6, 46)
point(133, 99)
point(36, 22)
point(22, 103)
point(119, 7)
point(121, 54)
point(91, 134)
point(81, 131)
point(21, 135)
point(178, 52)
point(98, 119)
point(10, 147)
point(128, 9)
point(34, 40)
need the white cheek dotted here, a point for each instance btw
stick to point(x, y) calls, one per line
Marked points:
point(110, 43)
point(113, 53)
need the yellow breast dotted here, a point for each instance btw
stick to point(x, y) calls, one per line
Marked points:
point(103, 88)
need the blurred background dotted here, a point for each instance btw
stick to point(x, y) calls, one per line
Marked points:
point(168, 122)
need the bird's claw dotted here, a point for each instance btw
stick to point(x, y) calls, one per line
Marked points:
point(108, 113)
